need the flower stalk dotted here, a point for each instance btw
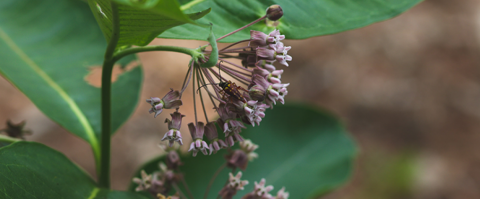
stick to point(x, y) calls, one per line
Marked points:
point(103, 168)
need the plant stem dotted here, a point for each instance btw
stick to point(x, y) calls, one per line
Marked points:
point(123, 53)
point(235, 31)
point(233, 171)
point(205, 196)
point(8, 139)
point(179, 191)
point(104, 173)
point(187, 188)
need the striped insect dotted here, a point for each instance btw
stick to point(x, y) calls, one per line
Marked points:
point(229, 90)
point(232, 90)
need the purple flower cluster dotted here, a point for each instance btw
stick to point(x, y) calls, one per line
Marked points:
point(237, 106)
point(262, 192)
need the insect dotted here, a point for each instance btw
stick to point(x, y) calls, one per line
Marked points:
point(229, 90)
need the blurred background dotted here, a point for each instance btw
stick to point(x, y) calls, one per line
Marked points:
point(407, 89)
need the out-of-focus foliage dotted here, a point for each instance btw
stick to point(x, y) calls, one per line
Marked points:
point(305, 150)
point(302, 18)
point(47, 56)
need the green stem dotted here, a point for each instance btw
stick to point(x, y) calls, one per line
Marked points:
point(205, 196)
point(104, 173)
point(179, 191)
point(190, 4)
point(8, 139)
point(188, 51)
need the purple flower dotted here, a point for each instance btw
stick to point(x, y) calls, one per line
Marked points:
point(283, 59)
point(275, 52)
point(266, 53)
point(197, 135)
point(254, 112)
point(144, 183)
point(273, 76)
point(212, 136)
point(234, 184)
point(248, 147)
point(227, 120)
point(276, 34)
point(281, 194)
point(281, 52)
point(232, 137)
point(174, 135)
point(258, 38)
point(237, 159)
point(257, 86)
point(169, 101)
point(261, 190)
point(274, 91)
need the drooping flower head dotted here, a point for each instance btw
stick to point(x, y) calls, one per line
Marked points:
point(173, 134)
point(240, 93)
point(169, 101)
point(197, 135)
point(212, 136)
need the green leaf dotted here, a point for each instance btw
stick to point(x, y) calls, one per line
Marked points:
point(33, 170)
point(302, 18)
point(141, 21)
point(304, 150)
point(48, 61)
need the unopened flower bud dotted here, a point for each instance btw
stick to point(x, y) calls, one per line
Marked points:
point(237, 159)
point(173, 160)
point(274, 12)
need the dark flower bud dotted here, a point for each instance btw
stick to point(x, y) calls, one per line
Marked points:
point(237, 159)
point(173, 160)
point(274, 12)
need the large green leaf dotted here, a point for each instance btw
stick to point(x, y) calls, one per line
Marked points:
point(47, 48)
point(302, 18)
point(305, 150)
point(141, 21)
point(32, 170)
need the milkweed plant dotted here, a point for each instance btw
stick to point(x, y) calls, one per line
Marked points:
point(257, 145)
